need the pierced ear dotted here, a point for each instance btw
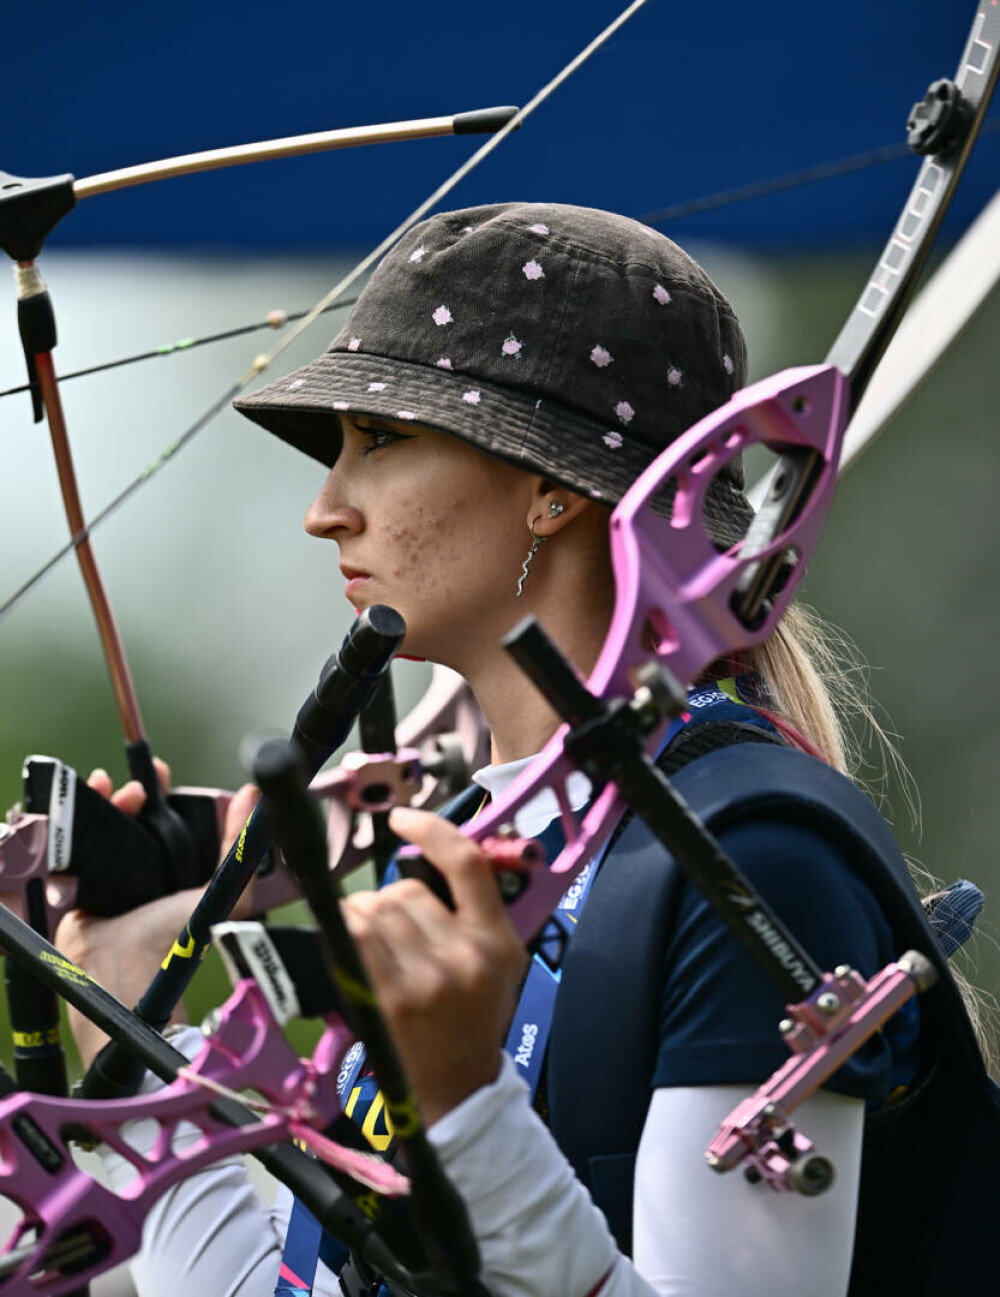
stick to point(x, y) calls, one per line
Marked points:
point(553, 506)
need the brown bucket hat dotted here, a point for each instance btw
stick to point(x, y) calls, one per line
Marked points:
point(565, 340)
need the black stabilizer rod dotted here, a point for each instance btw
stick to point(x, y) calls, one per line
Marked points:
point(439, 1211)
point(345, 685)
point(605, 742)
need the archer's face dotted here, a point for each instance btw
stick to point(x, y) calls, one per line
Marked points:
point(430, 526)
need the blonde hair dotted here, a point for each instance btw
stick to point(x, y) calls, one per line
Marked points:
point(819, 692)
point(818, 685)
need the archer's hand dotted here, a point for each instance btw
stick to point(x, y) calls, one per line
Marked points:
point(124, 953)
point(446, 981)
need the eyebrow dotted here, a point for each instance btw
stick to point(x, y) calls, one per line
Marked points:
point(372, 423)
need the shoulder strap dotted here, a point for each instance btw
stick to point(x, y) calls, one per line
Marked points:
point(605, 1023)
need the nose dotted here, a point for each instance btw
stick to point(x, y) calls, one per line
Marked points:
point(328, 517)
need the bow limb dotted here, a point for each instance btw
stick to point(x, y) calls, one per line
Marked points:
point(473, 123)
point(945, 306)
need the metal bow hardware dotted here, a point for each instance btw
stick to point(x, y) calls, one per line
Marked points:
point(73, 1227)
point(425, 1244)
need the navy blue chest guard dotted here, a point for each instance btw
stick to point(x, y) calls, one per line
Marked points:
point(930, 1160)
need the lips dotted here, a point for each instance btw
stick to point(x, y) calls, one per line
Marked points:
point(357, 578)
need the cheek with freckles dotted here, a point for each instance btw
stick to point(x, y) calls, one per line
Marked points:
point(422, 543)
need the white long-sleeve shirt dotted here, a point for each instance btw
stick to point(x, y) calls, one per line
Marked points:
point(539, 1233)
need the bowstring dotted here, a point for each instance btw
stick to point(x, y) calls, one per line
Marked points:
point(263, 361)
point(276, 319)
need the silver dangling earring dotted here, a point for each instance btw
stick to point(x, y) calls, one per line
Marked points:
point(536, 544)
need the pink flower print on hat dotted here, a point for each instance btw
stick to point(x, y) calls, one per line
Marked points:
point(661, 295)
point(354, 344)
point(471, 398)
point(532, 270)
point(442, 316)
point(612, 440)
point(674, 376)
point(418, 253)
point(340, 405)
point(727, 363)
point(376, 387)
point(443, 363)
point(298, 382)
point(405, 414)
point(512, 346)
point(601, 356)
point(624, 412)
point(539, 228)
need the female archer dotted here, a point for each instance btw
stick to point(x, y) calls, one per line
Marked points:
point(505, 376)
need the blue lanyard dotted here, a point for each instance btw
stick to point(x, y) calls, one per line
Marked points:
point(528, 1038)
point(301, 1254)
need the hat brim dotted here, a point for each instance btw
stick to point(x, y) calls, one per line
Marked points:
point(603, 462)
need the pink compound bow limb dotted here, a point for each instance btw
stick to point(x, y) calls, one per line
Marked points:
point(61, 1202)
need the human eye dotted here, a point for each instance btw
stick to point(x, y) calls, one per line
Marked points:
point(378, 437)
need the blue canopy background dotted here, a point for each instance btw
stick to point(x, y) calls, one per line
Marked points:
point(687, 99)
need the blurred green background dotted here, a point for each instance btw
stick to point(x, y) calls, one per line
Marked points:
point(228, 610)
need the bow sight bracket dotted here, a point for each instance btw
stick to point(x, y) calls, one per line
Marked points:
point(30, 210)
point(940, 121)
